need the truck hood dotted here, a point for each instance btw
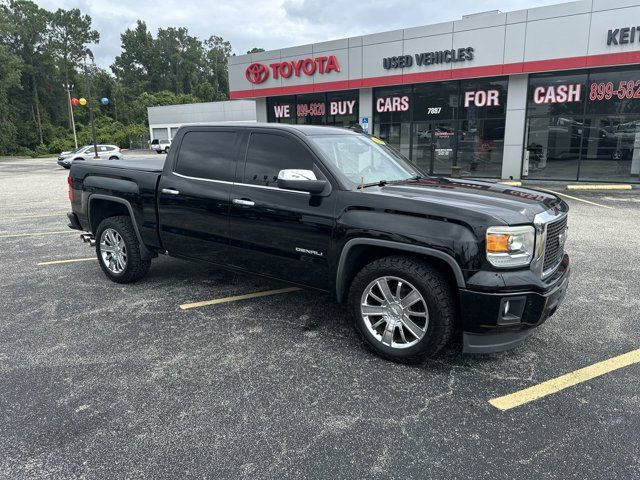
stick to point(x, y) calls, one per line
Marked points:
point(511, 205)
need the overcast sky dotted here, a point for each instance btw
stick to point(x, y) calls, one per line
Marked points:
point(272, 24)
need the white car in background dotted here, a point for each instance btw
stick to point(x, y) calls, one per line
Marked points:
point(105, 152)
point(160, 146)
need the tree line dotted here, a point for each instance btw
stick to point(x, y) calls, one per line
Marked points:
point(42, 52)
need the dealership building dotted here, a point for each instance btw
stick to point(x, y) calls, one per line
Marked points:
point(549, 93)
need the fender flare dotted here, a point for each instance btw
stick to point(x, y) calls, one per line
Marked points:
point(144, 251)
point(426, 251)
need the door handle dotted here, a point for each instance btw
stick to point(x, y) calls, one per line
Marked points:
point(243, 202)
point(170, 191)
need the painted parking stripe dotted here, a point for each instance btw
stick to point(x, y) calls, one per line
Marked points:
point(575, 198)
point(15, 217)
point(265, 293)
point(35, 234)
point(71, 260)
point(564, 381)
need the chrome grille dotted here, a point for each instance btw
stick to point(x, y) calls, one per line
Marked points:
point(553, 251)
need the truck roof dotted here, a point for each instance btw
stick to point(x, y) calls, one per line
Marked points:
point(308, 130)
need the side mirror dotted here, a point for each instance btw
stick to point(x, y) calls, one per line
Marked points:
point(301, 180)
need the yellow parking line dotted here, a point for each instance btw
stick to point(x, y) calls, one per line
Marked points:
point(35, 234)
point(13, 217)
point(560, 383)
point(510, 183)
point(600, 187)
point(575, 198)
point(265, 293)
point(71, 260)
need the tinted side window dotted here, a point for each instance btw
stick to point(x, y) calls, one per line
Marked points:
point(268, 154)
point(207, 155)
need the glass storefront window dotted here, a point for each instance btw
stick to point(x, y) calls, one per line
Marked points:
point(583, 126)
point(480, 147)
point(340, 109)
point(392, 117)
point(446, 124)
point(553, 147)
point(610, 146)
point(281, 109)
point(435, 101)
point(556, 94)
point(311, 109)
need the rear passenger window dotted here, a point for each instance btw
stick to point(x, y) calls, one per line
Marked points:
point(268, 154)
point(207, 155)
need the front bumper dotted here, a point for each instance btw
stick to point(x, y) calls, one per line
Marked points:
point(499, 320)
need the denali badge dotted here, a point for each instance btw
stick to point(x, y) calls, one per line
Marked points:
point(309, 252)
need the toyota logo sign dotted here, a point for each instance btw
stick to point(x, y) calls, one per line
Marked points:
point(256, 73)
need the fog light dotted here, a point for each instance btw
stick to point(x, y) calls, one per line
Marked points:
point(511, 310)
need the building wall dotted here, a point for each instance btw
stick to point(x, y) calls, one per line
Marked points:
point(565, 36)
point(173, 116)
point(552, 38)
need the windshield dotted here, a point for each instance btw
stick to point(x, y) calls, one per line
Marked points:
point(364, 159)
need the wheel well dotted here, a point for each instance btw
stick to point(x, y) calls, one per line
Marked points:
point(361, 255)
point(101, 209)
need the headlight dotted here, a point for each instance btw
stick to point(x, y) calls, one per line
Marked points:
point(510, 246)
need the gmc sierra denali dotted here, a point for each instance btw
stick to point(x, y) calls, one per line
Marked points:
point(416, 258)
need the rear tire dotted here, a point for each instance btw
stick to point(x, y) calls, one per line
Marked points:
point(420, 313)
point(118, 250)
point(166, 150)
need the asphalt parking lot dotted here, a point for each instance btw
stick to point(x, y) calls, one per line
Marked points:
point(100, 380)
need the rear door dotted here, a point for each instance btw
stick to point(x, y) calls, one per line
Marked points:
point(280, 233)
point(193, 196)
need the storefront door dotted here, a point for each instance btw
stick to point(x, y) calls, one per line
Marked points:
point(434, 146)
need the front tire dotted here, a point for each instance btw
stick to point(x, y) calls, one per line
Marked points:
point(118, 250)
point(403, 308)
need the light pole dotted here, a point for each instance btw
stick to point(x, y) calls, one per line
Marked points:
point(68, 88)
point(93, 127)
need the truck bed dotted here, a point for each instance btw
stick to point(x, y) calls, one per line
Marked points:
point(140, 163)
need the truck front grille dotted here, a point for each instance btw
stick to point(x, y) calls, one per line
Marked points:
point(553, 251)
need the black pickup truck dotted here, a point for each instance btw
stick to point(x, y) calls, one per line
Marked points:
point(416, 258)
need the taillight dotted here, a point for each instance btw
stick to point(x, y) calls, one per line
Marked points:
point(70, 184)
point(119, 149)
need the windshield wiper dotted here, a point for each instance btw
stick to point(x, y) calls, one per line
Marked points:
point(379, 183)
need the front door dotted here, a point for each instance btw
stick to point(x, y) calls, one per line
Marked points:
point(193, 198)
point(280, 233)
point(434, 145)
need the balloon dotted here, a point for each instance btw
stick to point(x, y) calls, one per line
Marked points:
point(104, 101)
point(82, 101)
point(74, 102)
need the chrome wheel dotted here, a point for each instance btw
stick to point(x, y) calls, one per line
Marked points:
point(394, 312)
point(113, 251)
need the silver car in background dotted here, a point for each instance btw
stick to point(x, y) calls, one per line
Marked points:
point(105, 152)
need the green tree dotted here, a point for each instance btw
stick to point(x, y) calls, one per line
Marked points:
point(255, 50)
point(134, 67)
point(217, 50)
point(181, 58)
point(70, 33)
point(10, 73)
point(25, 37)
